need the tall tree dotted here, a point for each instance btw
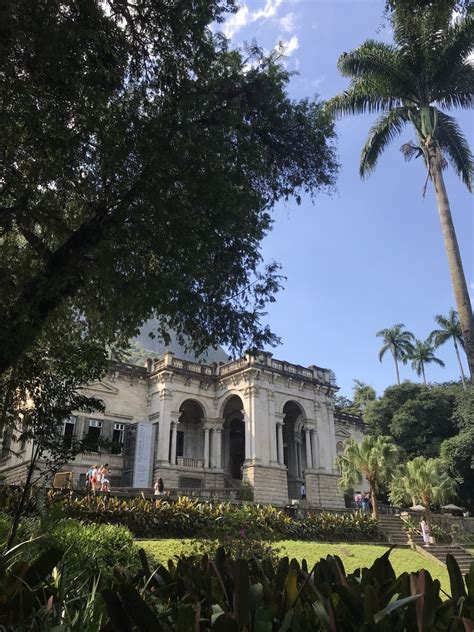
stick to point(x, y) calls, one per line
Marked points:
point(422, 354)
point(398, 342)
point(373, 459)
point(425, 482)
point(417, 418)
point(425, 72)
point(140, 160)
point(363, 394)
point(449, 329)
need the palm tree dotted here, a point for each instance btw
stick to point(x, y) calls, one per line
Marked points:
point(374, 458)
point(450, 329)
point(423, 353)
point(398, 342)
point(363, 394)
point(425, 482)
point(427, 70)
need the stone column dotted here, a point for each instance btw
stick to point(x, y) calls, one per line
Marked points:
point(281, 458)
point(309, 460)
point(248, 435)
point(296, 459)
point(272, 428)
point(218, 446)
point(314, 446)
point(174, 427)
point(206, 447)
point(164, 428)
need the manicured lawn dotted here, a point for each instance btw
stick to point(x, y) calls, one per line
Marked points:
point(352, 555)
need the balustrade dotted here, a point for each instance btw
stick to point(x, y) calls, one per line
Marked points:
point(185, 461)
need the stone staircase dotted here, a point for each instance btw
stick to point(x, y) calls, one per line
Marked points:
point(391, 527)
point(462, 557)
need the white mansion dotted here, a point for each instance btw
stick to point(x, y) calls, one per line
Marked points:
point(210, 424)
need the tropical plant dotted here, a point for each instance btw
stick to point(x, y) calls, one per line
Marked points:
point(224, 594)
point(449, 329)
point(422, 354)
point(424, 482)
point(426, 70)
point(362, 394)
point(398, 342)
point(373, 459)
point(193, 518)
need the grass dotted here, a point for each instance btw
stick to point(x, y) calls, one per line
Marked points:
point(352, 555)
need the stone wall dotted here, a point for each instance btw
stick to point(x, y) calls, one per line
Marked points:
point(322, 490)
point(269, 483)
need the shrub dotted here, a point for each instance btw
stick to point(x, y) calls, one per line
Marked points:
point(191, 518)
point(230, 594)
point(94, 549)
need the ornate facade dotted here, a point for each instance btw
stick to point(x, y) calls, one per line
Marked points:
point(257, 419)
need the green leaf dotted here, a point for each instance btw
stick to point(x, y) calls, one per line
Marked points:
point(225, 623)
point(458, 590)
point(185, 619)
point(242, 593)
point(394, 605)
point(140, 612)
point(118, 616)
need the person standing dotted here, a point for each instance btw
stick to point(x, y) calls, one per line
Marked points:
point(89, 477)
point(95, 480)
point(425, 531)
point(303, 491)
point(105, 478)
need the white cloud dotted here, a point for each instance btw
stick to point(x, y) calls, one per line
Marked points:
point(287, 23)
point(244, 16)
point(287, 47)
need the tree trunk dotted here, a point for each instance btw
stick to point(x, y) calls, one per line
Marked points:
point(26, 490)
point(423, 372)
point(458, 278)
point(463, 377)
point(396, 368)
point(373, 498)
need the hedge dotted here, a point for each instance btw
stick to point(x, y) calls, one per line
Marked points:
point(193, 518)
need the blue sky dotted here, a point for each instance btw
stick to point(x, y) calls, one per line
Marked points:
point(372, 254)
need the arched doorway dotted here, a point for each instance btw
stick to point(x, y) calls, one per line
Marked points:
point(294, 447)
point(234, 437)
point(190, 436)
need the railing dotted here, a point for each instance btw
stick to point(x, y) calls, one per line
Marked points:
point(185, 461)
point(295, 369)
point(230, 367)
point(192, 367)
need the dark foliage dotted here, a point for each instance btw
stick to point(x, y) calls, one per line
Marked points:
point(140, 159)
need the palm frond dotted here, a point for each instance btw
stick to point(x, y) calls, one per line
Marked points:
point(456, 90)
point(380, 61)
point(453, 142)
point(382, 352)
point(458, 39)
point(410, 151)
point(362, 97)
point(381, 134)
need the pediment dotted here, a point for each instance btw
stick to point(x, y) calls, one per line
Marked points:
point(340, 432)
point(102, 387)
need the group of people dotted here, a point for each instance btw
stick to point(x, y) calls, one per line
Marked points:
point(362, 502)
point(98, 478)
